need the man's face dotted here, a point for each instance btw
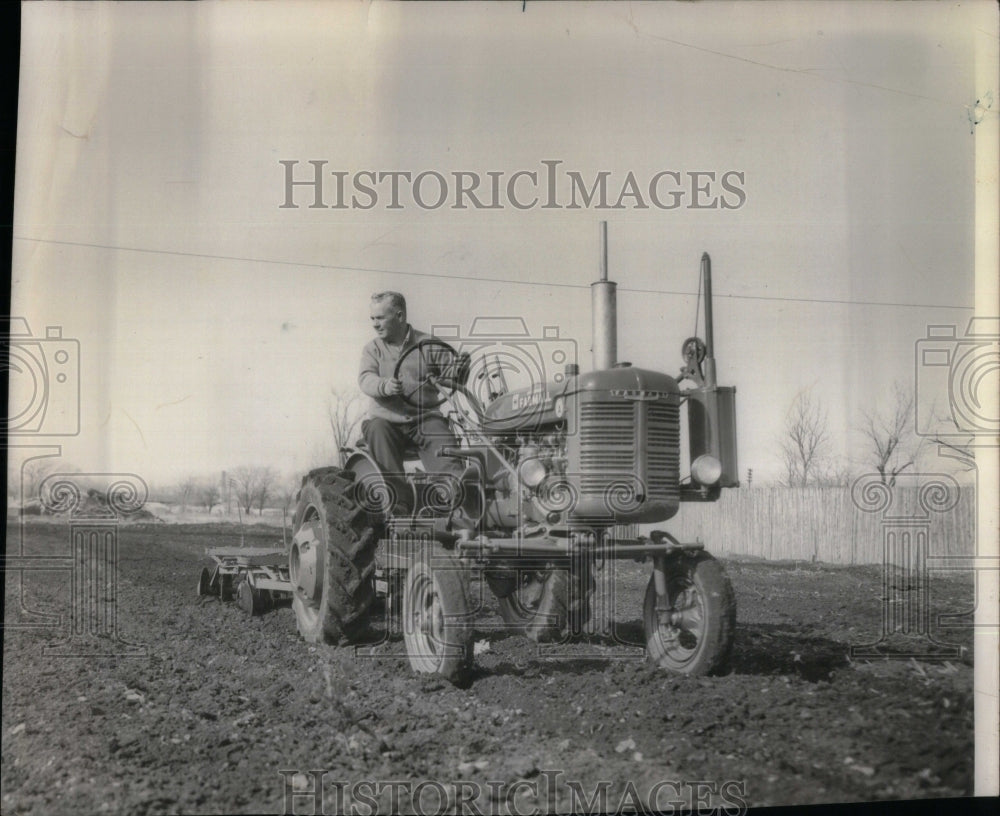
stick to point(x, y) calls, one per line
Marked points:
point(387, 321)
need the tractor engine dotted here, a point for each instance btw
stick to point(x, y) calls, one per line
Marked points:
point(623, 446)
point(603, 448)
point(598, 448)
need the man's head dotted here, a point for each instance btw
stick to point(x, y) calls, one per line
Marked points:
point(388, 313)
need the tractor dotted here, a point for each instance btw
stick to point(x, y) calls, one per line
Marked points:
point(555, 472)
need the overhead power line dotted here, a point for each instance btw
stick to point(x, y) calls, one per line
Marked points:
point(487, 279)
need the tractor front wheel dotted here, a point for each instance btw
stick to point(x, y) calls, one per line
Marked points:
point(437, 617)
point(690, 629)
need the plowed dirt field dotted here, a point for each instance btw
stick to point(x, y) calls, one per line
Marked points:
point(223, 713)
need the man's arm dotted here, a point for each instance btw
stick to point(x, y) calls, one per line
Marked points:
point(370, 380)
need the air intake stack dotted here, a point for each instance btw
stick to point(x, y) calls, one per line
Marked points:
point(706, 282)
point(605, 312)
point(711, 411)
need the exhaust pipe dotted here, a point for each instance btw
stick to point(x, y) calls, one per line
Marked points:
point(604, 309)
point(706, 282)
point(711, 411)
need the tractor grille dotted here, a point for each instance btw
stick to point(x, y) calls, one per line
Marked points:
point(607, 443)
point(608, 433)
point(663, 435)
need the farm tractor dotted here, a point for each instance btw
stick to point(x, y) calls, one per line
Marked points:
point(552, 473)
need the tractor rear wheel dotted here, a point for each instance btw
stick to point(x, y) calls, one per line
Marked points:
point(692, 633)
point(437, 617)
point(332, 558)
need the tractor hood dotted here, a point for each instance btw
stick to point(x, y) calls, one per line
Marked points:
point(546, 404)
point(626, 381)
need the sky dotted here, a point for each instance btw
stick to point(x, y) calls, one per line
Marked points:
point(211, 322)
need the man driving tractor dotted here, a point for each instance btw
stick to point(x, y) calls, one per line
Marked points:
point(537, 512)
point(403, 410)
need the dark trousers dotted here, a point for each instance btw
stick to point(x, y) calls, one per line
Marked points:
point(387, 441)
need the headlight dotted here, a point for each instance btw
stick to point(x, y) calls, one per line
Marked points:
point(532, 472)
point(706, 470)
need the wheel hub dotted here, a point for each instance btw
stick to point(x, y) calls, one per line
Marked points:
point(304, 562)
point(429, 620)
point(684, 615)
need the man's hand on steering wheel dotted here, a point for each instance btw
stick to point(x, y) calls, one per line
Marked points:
point(412, 394)
point(392, 387)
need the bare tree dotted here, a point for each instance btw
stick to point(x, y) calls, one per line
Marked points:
point(289, 490)
point(209, 494)
point(805, 440)
point(265, 484)
point(33, 473)
point(964, 453)
point(251, 484)
point(24, 480)
point(345, 411)
point(892, 444)
point(185, 490)
point(243, 482)
point(832, 474)
point(960, 448)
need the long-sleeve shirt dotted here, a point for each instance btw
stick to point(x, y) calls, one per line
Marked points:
point(378, 360)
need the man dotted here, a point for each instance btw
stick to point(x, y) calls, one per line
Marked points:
point(393, 422)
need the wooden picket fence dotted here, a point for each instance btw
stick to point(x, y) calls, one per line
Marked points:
point(827, 524)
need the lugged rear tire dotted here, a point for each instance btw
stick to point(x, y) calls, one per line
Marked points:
point(332, 559)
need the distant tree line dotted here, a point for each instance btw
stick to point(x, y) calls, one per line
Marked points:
point(890, 444)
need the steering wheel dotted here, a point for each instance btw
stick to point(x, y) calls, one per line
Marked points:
point(429, 378)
